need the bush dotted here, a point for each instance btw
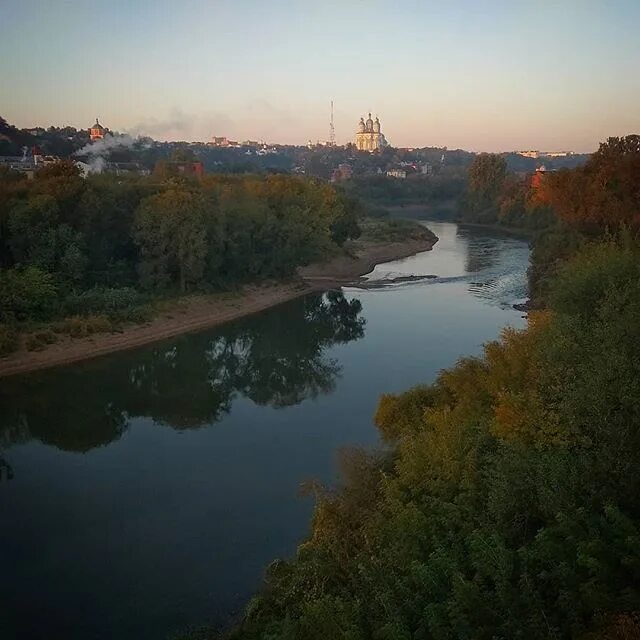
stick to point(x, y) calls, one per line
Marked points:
point(8, 339)
point(82, 326)
point(26, 293)
point(138, 315)
point(40, 339)
point(101, 300)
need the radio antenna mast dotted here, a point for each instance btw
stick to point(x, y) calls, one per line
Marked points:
point(332, 130)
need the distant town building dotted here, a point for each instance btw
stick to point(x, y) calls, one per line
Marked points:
point(23, 164)
point(426, 169)
point(528, 154)
point(397, 173)
point(343, 172)
point(556, 154)
point(544, 154)
point(369, 137)
point(223, 141)
point(538, 177)
point(41, 160)
point(127, 168)
point(97, 131)
point(27, 164)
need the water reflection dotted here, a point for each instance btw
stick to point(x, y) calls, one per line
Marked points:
point(481, 254)
point(6, 472)
point(187, 383)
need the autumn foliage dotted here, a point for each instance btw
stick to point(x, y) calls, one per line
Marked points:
point(604, 193)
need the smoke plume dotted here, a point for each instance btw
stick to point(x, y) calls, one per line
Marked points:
point(97, 152)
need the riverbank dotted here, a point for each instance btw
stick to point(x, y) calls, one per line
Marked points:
point(195, 313)
point(346, 269)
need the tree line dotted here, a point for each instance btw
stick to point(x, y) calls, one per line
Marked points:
point(108, 243)
point(506, 503)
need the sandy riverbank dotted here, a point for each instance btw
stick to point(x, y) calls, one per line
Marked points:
point(195, 313)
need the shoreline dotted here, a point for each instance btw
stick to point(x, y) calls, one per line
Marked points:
point(422, 213)
point(199, 312)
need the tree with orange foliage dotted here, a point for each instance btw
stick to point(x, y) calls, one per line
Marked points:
point(604, 193)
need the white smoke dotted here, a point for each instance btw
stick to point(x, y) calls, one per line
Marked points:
point(98, 151)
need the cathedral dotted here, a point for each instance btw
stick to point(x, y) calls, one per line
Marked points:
point(369, 137)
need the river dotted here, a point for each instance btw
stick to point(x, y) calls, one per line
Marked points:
point(148, 490)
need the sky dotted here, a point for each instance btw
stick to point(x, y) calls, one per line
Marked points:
point(482, 75)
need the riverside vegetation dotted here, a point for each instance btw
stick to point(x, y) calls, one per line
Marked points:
point(80, 256)
point(506, 503)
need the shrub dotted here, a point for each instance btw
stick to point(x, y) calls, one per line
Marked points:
point(101, 300)
point(138, 314)
point(26, 293)
point(8, 339)
point(82, 326)
point(40, 339)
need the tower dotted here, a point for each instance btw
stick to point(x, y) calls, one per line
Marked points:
point(332, 130)
point(96, 131)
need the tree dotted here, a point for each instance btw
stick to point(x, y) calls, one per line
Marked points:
point(170, 229)
point(345, 226)
point(38, 238)
point(487, 174)
point(604, 193)
point(25, 293)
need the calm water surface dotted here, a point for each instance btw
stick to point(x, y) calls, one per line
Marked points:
point(147, 491)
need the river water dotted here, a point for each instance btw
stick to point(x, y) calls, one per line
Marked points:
point(148, 490)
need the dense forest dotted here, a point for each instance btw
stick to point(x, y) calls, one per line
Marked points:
point(101, 247)
point(506, 502)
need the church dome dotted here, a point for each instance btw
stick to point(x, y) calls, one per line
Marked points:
point(97, 125)
point(361, 126)
point(376, 126)
point(369, 123)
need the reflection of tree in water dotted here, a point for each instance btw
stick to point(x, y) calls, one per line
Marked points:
point(284, 365)
point(66, 408)
point(482, 251)
point(6, 472)
point(275, 358)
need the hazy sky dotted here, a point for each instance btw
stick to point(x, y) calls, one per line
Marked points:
point(475, 74)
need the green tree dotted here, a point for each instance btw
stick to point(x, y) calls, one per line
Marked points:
point(487, 174)
point(26, 293)
point(38, 238)
point(170, 229)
